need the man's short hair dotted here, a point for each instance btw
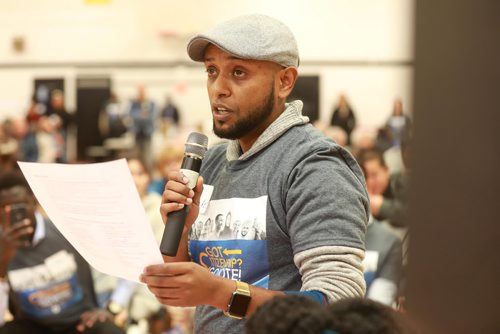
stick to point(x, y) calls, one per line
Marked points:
point(362, 315)
point(289, 314)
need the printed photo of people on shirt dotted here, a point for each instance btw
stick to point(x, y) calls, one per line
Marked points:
point(229, 239)
point(231, 219)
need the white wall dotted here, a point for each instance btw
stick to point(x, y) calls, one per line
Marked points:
point(360, 47)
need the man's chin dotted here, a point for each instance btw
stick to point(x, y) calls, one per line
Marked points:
point(225, 133)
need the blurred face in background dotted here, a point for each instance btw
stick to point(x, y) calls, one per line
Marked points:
point(17, 196)
point(141, 93)
point(140, 175)
point(342, 102)
point(45, 124)
point(170, 159)
point(377, 177)
point(398, 108)
point(57, 100)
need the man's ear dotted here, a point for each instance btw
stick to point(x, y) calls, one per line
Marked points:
point(287, 79)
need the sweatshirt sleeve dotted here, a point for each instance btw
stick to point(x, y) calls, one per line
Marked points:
point(336, 271)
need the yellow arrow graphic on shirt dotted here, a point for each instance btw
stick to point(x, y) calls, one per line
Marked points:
point(231, 251)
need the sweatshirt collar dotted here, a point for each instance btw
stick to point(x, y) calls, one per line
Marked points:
point(291, 117)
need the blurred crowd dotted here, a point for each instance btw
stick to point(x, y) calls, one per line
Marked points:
point(384, 154)
point(151, 138)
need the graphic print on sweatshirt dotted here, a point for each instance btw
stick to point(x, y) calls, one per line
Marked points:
point(229, 239)
point(48, 288)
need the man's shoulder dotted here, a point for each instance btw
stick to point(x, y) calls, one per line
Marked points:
point(303, 140)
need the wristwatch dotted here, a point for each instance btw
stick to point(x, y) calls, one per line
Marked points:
point(239, 302)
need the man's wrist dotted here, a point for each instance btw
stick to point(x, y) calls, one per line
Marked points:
point(223, 293)
point(239, 303)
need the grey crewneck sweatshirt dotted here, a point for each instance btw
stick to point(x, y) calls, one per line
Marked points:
point(307, 200)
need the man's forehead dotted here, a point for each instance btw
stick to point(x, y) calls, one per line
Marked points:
point(213, 50)
point(215, 54)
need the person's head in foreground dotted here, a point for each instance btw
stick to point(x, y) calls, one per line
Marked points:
point(300, 314)
point(365, 316)
point(291, 314)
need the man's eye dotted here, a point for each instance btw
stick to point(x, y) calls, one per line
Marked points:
point(211, 71)
point(238, 73)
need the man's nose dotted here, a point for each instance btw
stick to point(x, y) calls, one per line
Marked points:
point(220, 87)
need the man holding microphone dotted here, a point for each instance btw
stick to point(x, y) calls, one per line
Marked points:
point(303, 192)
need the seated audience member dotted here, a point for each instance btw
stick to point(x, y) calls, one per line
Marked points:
point(387, 192)
point(169, 158)
point(289, 314)
point(383, 263)
point(9, 146)
point(365, 316)
point(47, 283)
point(396, 157)
point(363, 138)
point(160, 322)
point(150, 200)
point(301, 315)
point(142, 302)
point(113, 294)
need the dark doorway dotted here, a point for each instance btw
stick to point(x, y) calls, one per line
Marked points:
point(91, 95)
point(307, 90)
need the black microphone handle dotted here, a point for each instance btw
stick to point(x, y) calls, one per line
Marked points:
point(173, 232)
point(176, 219)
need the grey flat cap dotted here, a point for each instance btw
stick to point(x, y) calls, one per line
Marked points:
point(254, 36)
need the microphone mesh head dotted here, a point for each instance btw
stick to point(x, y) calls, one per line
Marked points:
point(196, 144)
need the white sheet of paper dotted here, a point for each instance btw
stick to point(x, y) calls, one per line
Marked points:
point(97, 208)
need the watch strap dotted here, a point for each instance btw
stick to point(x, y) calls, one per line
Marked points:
point(243, 288)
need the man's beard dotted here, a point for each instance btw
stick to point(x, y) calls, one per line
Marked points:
point(244, 125)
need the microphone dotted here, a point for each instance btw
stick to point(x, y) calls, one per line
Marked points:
point(196, 147)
